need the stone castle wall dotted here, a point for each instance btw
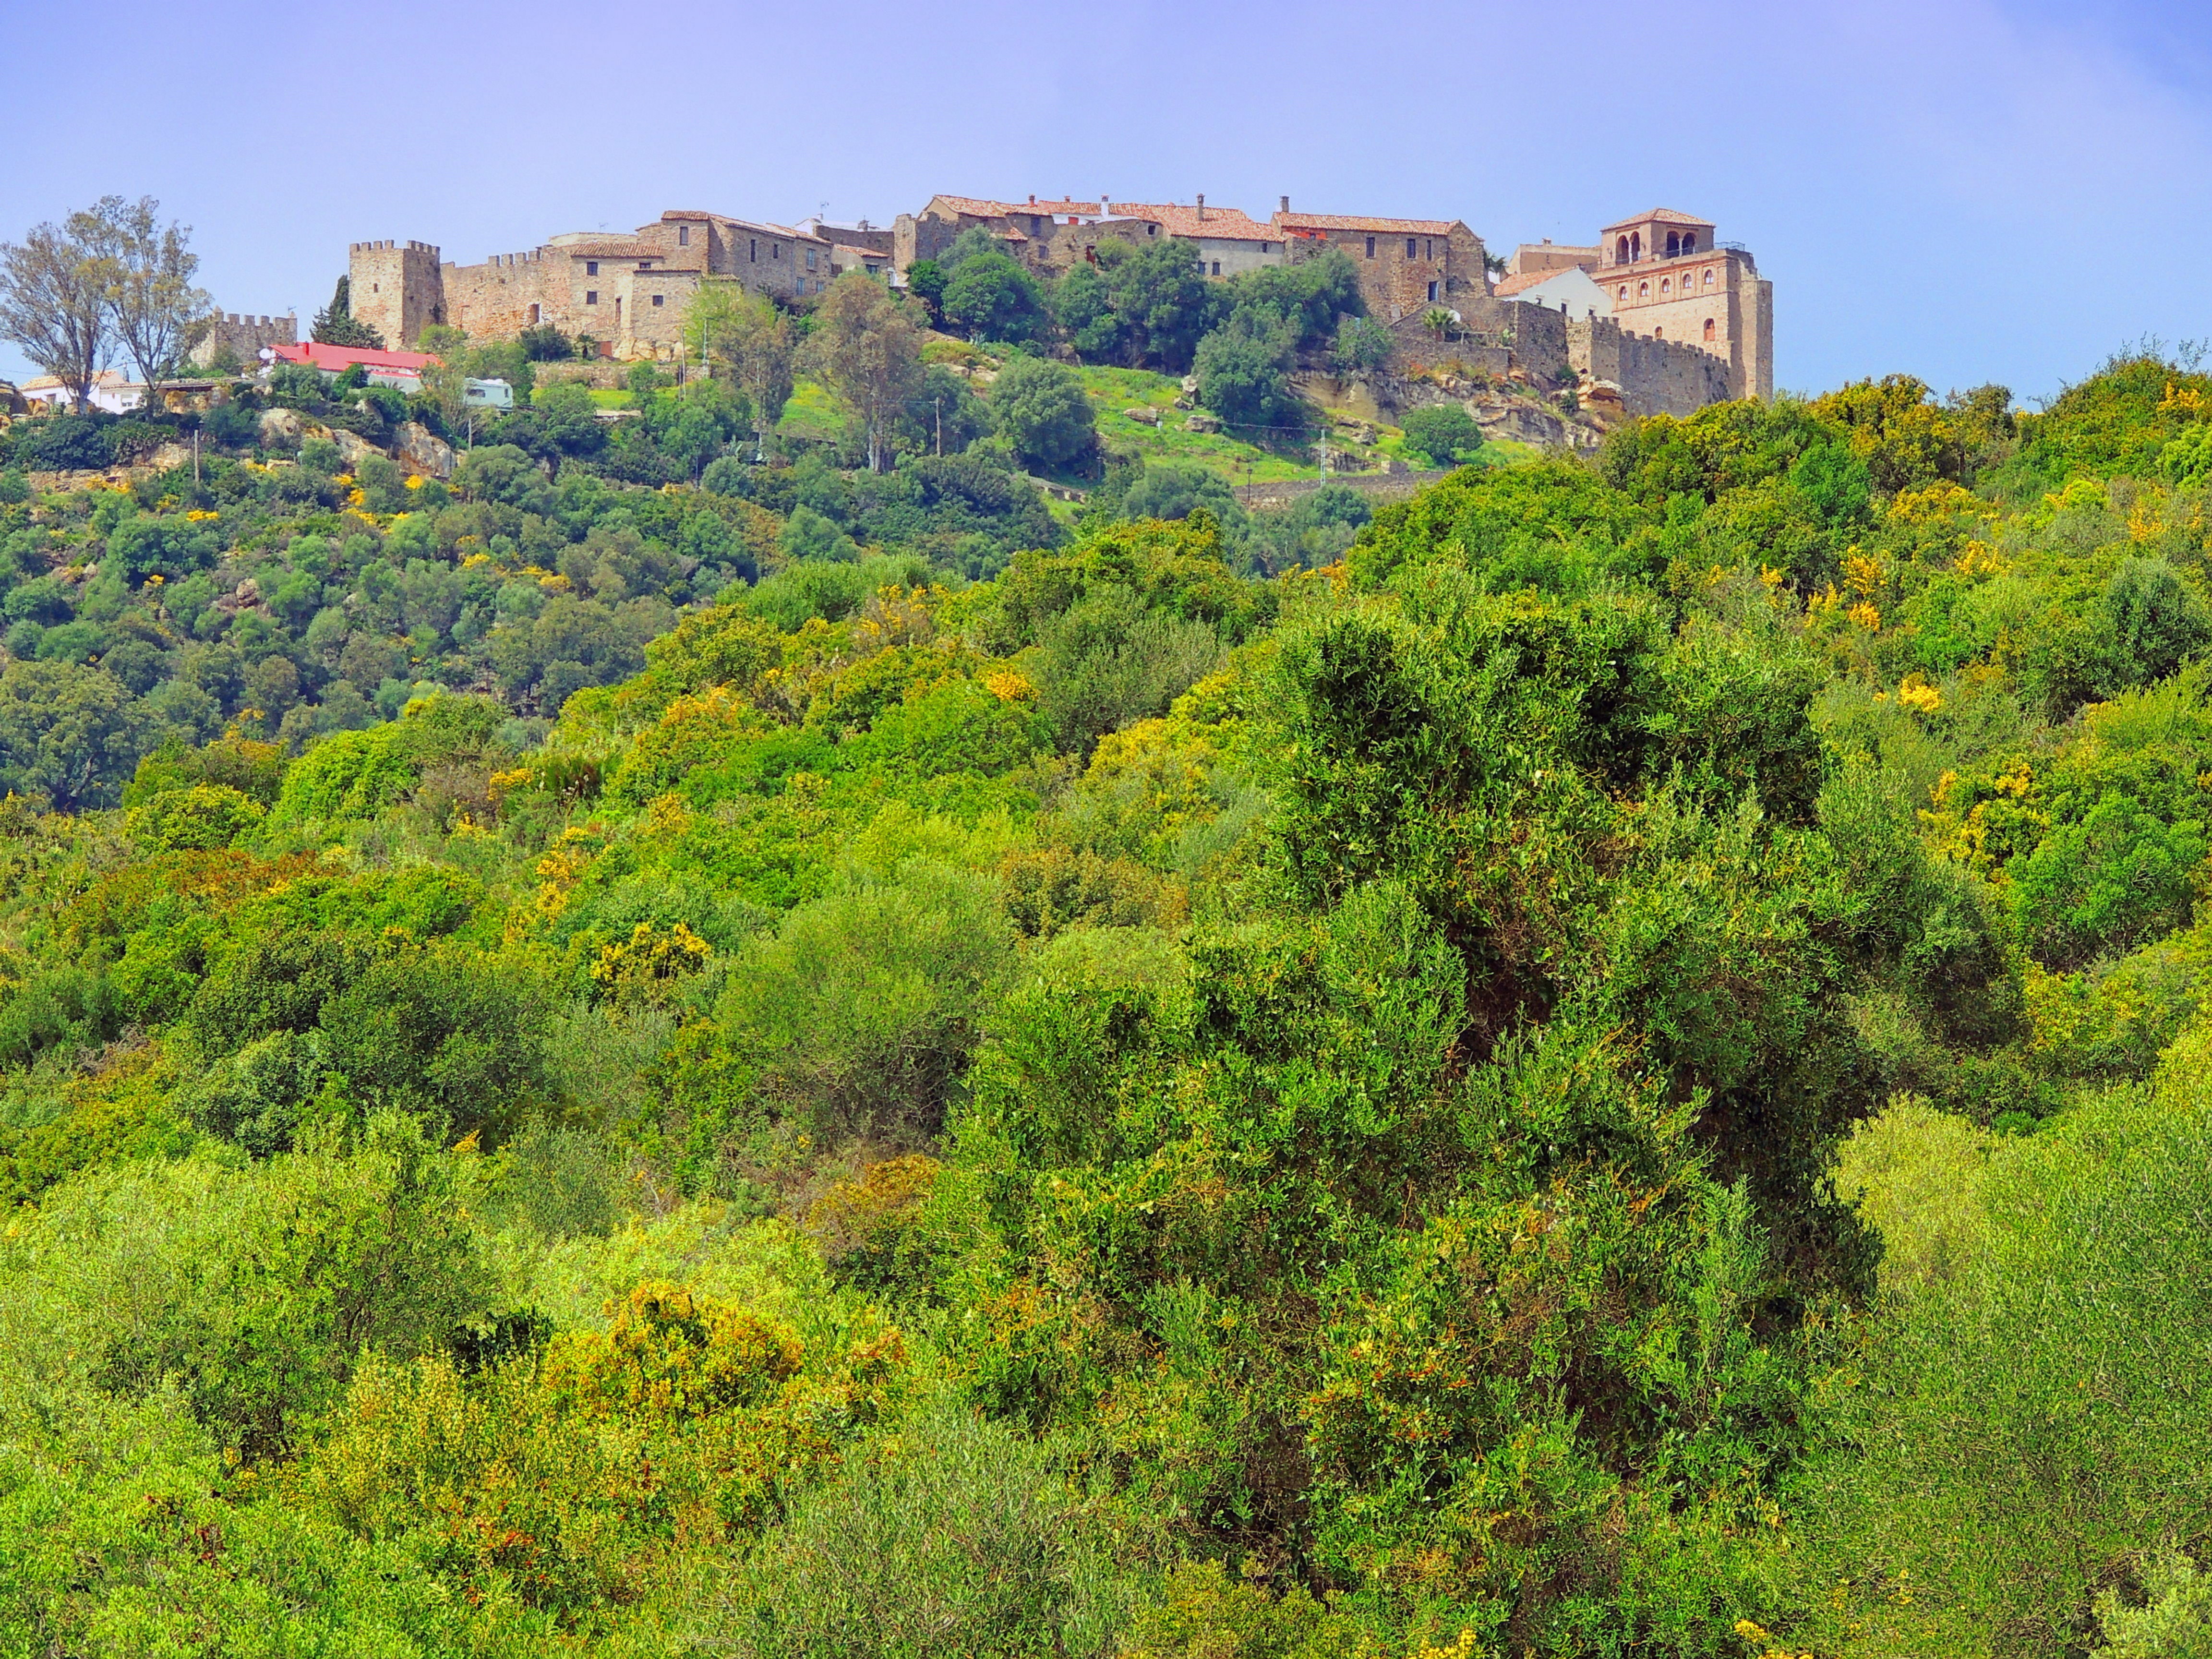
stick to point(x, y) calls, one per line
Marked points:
point(508, 292)
point(242, 337)
point(1655, 377)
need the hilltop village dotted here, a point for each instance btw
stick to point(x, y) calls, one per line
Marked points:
point(1656, 313)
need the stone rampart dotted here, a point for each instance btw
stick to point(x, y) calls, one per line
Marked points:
point(240, 337)
point(1655, 377)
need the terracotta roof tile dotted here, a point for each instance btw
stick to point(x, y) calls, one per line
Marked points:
point(1223, 224)
point(1297, 222)
point(1663, 215)
point(1506, 287)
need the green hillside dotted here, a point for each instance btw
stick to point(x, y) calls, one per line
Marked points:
point(652, 1052)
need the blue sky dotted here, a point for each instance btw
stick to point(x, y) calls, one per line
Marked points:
point(1964, 189)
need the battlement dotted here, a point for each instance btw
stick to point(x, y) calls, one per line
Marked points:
point(390, 246)
point(508, 261)
point(247, 320)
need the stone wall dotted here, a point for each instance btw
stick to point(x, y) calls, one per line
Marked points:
point(1716, 301)
point(1382, 486)
point(1655, 376)
point(1402, 275)
point(508, 292)
point(242, 336)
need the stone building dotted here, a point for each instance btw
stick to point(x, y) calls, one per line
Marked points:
point(1405, 265)
point(1670, 280)
point(629, 294)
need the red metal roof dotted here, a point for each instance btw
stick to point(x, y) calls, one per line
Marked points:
point(337, 359)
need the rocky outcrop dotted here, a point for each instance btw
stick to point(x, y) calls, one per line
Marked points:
point(421, 451)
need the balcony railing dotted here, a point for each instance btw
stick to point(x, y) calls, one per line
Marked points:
point(1663, 258)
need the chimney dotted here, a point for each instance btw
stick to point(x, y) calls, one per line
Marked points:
point(1285, 208)
point(1032, 198)
point(1202, 205)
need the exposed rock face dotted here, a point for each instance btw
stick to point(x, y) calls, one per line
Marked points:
point(1202, 421)
point(282, 428)
point(353, 447)
point(1145, 415)
point(421, 451)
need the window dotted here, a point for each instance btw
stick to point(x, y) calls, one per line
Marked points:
point(1432, 294)
point(1643, 290)
point(1267, 247)
point(645, 264)
point(591, 296)
point(1371, 247)
point(775, 250)
point(1709, 328)
point(591, 267)
point(1636, 245)
point(1429, 249)
point(658, 298)
point(1620, 255)
point(752, 250)
point(534, 317)
point(1709, 278)
point(683, 236)
point(1674, 244)
point(1217, 267)
point(1658, 334)
point(1666, 283)
point(1624, 290)
point(810, 259)
point(1690, 243)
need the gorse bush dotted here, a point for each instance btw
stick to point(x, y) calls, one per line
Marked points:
point(1602, 1060)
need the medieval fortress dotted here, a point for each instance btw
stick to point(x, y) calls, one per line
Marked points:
point(1656, 308)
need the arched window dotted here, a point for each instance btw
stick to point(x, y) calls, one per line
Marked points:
point(1624, 290)
point(1643, 290)
point(1690, 242)
point(1666, 286)
point(1658, 334)
point(1674, 244)
point(1636, 245)
point(1709, 276)
point(1620, 252)
point(1709, 328)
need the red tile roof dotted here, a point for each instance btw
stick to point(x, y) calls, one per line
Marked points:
point(1506, 287)
point(976, 206)
point(1293, 223)
point(337, 359)
point(1662, 215)
point(616, 247)
point(1224, 224)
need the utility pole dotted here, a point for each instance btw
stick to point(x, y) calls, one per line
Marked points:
point(939, 402)
point(196, 458)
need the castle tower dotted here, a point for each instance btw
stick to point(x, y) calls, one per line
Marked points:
point(397, 289)
point(1668, 279)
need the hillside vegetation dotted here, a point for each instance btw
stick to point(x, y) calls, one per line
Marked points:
point(1606, 1060)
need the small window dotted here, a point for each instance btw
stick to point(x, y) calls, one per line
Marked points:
point(1624, 290)
point(775, 250)
point(752, 250)
point(1666, 286)
point(810, 259)
point(683, 236)
point(591, 267)
point(1709, 278)
point(1412, 243)
point(1267, 247)
point(1690, 243)
point(1709, 328)
point(1432, 294)
point(1658, 334)
point(1217, 267)
point(1429, 248)
point(1643, 290)
point(1151, 230)
point(1371, 247)
point(591, 296)
point(645, 264)
point(658, 299)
